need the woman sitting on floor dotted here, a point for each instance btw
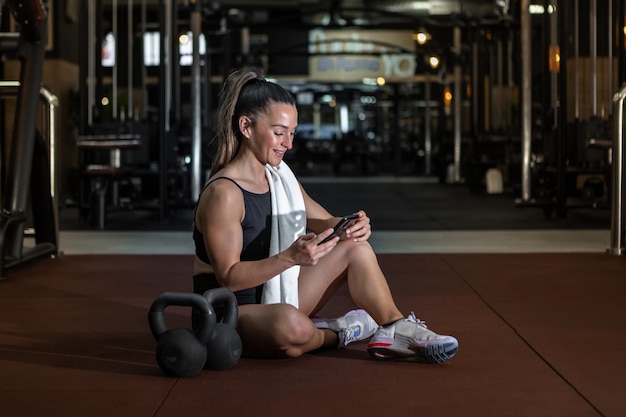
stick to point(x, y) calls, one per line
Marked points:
point(258, 233)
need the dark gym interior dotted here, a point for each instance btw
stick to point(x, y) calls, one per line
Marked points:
point(484, 138)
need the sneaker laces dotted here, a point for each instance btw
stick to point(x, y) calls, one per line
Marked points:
point(348, 335)
point(419, 322)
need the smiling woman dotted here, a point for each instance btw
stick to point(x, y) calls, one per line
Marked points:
point(239, 98)
point(275, 130)
point(250, 233)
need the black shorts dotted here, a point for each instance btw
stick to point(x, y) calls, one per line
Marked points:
point(204, 282)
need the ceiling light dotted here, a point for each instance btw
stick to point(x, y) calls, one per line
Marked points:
point(421, 37)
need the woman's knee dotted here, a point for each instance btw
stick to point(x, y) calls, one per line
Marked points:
point(292, 327)
point(268, 330)
point(358, 251)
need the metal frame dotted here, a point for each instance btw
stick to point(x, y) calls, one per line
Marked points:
point(618, 246)
point(32, 17)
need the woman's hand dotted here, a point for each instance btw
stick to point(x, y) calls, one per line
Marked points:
point(307, 249)
point(359, 231)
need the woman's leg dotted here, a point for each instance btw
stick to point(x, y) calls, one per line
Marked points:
point(275, 330)
point(399, 338)
point(354, 263)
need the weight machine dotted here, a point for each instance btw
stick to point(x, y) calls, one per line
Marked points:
point(29, 177)
point(146, 90)
point(572, 168)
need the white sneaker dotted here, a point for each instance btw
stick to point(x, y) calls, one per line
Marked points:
point(410, 340)
point(353, 326)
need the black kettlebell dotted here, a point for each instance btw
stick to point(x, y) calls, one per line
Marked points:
point(224, 346)
point(181, 352)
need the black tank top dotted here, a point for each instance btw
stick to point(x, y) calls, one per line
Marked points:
point(255, 226)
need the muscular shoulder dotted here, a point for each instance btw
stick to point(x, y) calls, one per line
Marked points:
point(222, 187)
point(221, 197)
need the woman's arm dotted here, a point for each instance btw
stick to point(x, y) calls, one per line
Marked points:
point(219, 215)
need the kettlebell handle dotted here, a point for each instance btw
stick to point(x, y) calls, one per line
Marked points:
point(207, 321)
point(228, 298)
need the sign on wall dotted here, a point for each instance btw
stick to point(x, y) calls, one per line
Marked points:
point(352, 55)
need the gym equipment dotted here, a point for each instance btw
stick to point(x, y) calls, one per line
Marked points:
point(181, 352)
point(211, 345)
point(30, 173)
point(618, 185)
point(224, 347)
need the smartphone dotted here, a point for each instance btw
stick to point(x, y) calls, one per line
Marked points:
point(343, 224)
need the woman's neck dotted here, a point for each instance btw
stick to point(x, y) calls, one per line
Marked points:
point(250, 173)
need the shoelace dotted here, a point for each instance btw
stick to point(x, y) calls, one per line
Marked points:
point(348, 334)
point(419, 322)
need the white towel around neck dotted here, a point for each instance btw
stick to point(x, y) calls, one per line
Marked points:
point(288, 223)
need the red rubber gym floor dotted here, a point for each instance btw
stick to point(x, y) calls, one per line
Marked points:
point(539, 335)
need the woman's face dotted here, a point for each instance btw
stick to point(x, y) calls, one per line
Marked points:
point(273, 133)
